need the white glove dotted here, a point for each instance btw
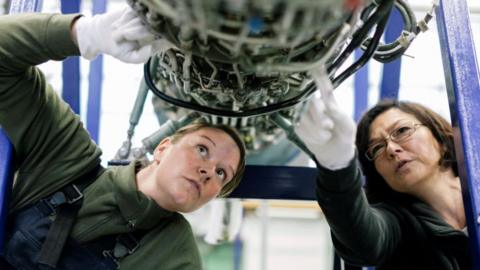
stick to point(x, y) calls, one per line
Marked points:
point(326, 130)
point(120, 34)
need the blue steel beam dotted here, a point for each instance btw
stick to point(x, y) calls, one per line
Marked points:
point(71, 66)
point(360, 89)
point(95, 78)
point(391, 71)
point(277, 182)
point(463, 85)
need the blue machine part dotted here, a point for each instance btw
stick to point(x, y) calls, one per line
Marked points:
point(256, 24)
point(463, 82)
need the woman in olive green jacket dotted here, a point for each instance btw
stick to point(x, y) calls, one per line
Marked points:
point(52, 149)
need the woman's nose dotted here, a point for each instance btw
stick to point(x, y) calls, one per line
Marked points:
point(204, 176)
point(392, 148)
point(205, 172)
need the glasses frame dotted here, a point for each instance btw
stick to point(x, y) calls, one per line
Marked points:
point(390, 138)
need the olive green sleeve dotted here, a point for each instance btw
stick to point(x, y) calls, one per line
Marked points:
point(51, 147)
point(362, 234)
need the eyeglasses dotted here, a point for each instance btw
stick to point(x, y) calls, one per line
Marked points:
point(398, 135)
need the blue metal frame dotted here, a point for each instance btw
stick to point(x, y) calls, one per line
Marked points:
point(463, 85)
point(21, 6)
point(95, 78)
point(277, 182)
point(71, 66)
point(360, 89)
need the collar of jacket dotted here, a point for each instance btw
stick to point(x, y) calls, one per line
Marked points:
point(437, 229)
point(138, 210)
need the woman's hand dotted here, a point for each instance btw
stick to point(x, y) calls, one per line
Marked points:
point(327, 131)
point(120, 34)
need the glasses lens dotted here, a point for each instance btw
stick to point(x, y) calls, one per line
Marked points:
point(402, 132)
point(375, 150)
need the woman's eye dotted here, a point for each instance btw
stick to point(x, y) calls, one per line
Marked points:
point(202, 150)
point(221, 173)
point(402, 130)
point(376, 149)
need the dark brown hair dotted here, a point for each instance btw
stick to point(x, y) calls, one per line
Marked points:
point(375, 186)
point(230, 186)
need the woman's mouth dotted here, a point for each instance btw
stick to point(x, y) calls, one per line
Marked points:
point(401, 165)
point(195, 185)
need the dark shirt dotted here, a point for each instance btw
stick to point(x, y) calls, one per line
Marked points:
point(394, 234)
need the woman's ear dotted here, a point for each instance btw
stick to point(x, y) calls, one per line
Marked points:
point(444, 157)
point(161, 148)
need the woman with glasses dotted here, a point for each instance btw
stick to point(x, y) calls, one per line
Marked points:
point(410, 214)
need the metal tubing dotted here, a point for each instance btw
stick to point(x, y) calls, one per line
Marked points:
point(167, 129)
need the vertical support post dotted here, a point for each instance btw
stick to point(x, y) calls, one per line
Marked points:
point(95, 78)
point(237, 253)
point(463, 85)
point(71, 66)
point(22, 6)
point(360, 89)
point(391, 71)
point(264, 235)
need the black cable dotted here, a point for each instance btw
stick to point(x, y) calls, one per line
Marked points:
point(384, 11)
point(359, 36)
point(219, 112)
point(391, 51)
